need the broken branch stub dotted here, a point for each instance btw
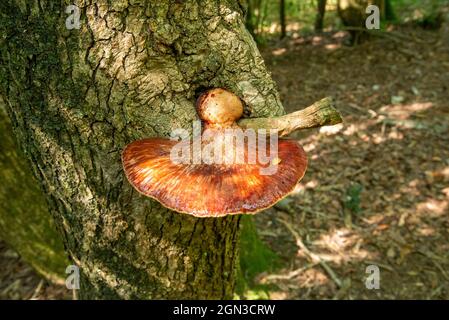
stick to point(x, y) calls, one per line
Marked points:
point(321, 113)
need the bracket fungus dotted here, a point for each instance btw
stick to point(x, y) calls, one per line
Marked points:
point(229, 166)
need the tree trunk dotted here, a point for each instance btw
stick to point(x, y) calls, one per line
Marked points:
point(389, 12)
point(25, 222)
point(249, 20)
point(282, 18)
point(77, 97)
point(353, 15)
point(319, 19)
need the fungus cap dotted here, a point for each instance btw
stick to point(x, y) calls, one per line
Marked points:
point(211, 190)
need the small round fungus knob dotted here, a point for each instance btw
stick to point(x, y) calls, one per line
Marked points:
point(219, 106)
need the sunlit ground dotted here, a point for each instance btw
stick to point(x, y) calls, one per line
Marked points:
point(377, 188)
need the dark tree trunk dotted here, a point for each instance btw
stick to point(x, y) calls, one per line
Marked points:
point(250, 18)
point(77, 97)
point(319, 19)
point(282, 19)
point(389, 12)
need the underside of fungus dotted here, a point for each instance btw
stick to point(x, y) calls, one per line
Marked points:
point(231, 166)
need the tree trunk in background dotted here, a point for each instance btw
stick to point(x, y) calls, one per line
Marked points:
point(77, 97)
point(249, 20)
point(282, 19)
point(388, 11)
point(353, 14)
point(253, 16)
point(25, 222)
point(319, 19)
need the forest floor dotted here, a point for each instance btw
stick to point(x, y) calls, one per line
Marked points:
point(377, 188)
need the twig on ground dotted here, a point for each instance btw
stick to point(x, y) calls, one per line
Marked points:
point(290, 275)
point(347, 174)
point(37, 290)
point(395, 36)
point(434, 259)
point(312, 256)
point(382, 265)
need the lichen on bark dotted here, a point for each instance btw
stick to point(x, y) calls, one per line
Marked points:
point(77, 97)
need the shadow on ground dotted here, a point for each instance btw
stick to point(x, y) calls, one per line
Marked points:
point(377, 188)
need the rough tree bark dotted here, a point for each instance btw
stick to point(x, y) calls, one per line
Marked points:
point(77, 97)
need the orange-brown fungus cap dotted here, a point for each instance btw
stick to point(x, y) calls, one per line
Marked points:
point(211, 190)
point(215, 189)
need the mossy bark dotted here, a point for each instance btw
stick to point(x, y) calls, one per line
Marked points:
point(25, 222)
point(77, 97)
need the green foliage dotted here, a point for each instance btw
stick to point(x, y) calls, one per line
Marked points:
point(426, 13)
point(255, 257)
point(263, 15)
point(431, 21)
point(352, 198)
